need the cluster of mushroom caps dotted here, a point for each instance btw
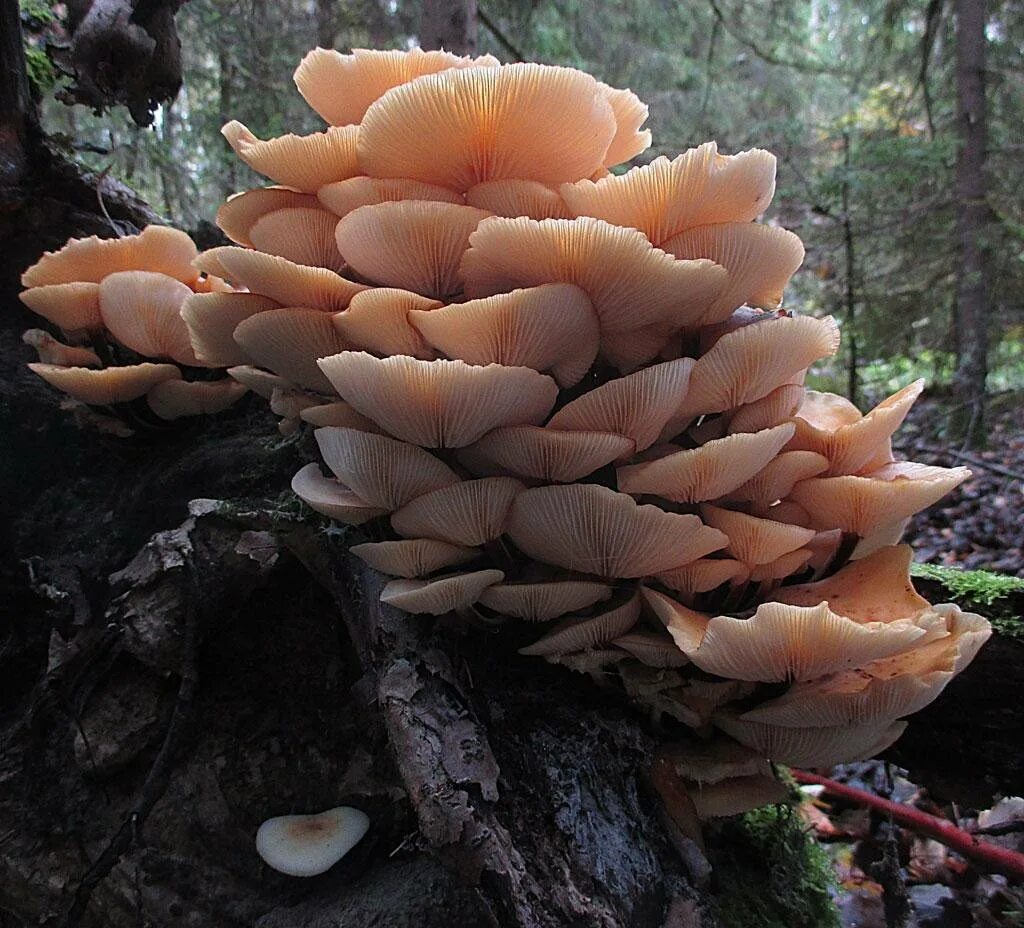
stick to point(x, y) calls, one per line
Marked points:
point(116, 300)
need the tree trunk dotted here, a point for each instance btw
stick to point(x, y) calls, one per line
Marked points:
point(972, 223)
point(449, 24)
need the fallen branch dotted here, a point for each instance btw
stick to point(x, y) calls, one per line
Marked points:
point(989, 857)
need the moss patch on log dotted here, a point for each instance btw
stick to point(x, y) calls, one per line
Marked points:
point(998, 597)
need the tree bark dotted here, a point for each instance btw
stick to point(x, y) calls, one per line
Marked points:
point(449, 24)
point(972, 222)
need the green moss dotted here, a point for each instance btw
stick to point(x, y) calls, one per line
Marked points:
point(769, 873)
point(36, 12)
point(40, 69)
point(997, 595)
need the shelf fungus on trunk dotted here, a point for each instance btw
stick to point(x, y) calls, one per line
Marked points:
point(544, 392)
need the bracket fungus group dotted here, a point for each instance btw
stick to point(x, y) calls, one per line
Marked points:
point(119, 303)
point(559, 394)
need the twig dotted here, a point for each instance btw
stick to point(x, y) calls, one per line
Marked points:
point(103, 206)
point(989, 857)
point(971, 459)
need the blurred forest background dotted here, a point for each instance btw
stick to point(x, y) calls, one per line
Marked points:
point(858, 100)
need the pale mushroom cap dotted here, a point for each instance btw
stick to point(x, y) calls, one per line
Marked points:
point(290, 342)
point(110, 385)
point(142, 310)
point(176, 399)
point(337, 414)
point(573, 635)
point(52, 351)
point(777, 478)
point(636, 406)
point(291, 403)
point(302, 162)
point(413, 558)
point(594, 530)
point(785, 565)
point(71, 306)
point(708, 762)
point(664, 198)
point(262, 383)
point(551, 455)
point(302, 234)
point(525, 121)
point(415, 245)
point(770, 410)
point(331, 498)
point(512, 198)
point(212, 318)
point(307, 845)
point(736, 795)
point(541, 602)
point(240, 211)
point(439, 404)
point(551, 328)
point(341, 87)
point(282, 280)
point(630, 114)
point(714, 469)
point(753, 540)
point(378, 320)
point(652, 649)
point(344, 196)
point(436, 597)
point(468, 513)
point(630, 283)
point(781, 643)
point(704, 575)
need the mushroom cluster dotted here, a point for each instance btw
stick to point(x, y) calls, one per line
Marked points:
point(563, 395)
point(116, 301)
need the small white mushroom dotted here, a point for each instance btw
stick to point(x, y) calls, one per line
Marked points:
point(307, 845)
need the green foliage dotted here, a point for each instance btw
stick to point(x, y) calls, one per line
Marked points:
point(41, 71)
point(997, 595)
point(36, 12)
point(770, 873)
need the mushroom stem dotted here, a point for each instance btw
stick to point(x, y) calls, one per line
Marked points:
point(842, 556)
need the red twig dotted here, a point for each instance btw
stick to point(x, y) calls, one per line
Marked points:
point(989, 857)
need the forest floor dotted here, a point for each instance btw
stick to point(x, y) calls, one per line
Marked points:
point(979, 524)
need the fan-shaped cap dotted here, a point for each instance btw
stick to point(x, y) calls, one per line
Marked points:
point(378, 320)
point(303, 162)
point(468, 513)
point(212, 318)
point(302, 234)
point(664, 198)
point(550, 328)
point(52, 351)
point(631, 284)
point(572, 635)
point(512, 198)
point(344, 196)
point(704, 575)
point(240, 211)
point(412, 244)
point(341, 87)
point(785, 565)
point(777, 478)
point(781, 643)
point(594, 530)
point(863, 504)
point(526, 121)
point(813, 747)
point(850, 444)
point(70, 306)
point(331, 498)
point(541, 602)
point(708, 762)
point(760, 260)
point(630, 114)
point(142, 310)
point(262, 383)
point(109, 385)
point(282, 280)
point(175, 399)
point(736, 795)
point(385, 472)
point(708, 472)
point(770, 410)
point(751, 362)
point(436, 597)
point(338, 414)
point(416, 557)
point(752, 540)
point(289, 342)
point(439, 404)
point(306, 845)
point(159, 249)
point(291, 403)
point(876, 588)
point(552, 455)
point(636, 406)
point(652, 649)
